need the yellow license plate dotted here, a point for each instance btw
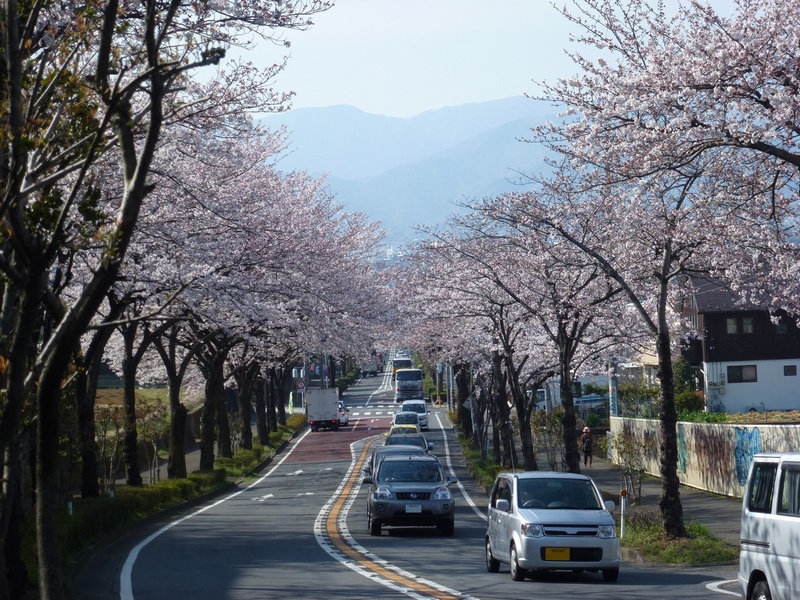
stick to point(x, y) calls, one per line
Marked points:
point(556, 553)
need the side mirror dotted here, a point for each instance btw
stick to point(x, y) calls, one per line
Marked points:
point(367, 479)
point(451, 480)
point(503, 505)
point(610, 505)
point(430, 446)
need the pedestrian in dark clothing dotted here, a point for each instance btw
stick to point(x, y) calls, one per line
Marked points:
point(586, 446)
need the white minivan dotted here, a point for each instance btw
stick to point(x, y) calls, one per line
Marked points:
point(769, 553)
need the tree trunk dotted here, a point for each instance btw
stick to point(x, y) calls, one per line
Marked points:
point(176, 465)
point(670, 499)
point(215, 396)
point(506, 428)
point(462, 393)
point(261, 412)
point(131, 449)
point(272, 418)
point(224, 442)
point(571, 453)
point(244, 383)
point(284, 386)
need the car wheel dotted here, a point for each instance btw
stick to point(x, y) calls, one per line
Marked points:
point(448, 528)
point(761, 591)
point(610, 574)
point(517, 572)
point(492, 564)
point(374, 526)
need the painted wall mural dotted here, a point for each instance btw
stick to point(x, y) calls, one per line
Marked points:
point(681, 448)
point(748, 443)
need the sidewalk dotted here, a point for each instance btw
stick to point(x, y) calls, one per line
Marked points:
point(720, 514)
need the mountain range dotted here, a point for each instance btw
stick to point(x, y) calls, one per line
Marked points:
point(415, 171)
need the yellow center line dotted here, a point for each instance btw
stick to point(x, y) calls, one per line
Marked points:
point(335, 535)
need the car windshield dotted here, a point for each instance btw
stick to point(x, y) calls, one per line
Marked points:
point(409, 375)
point(558, 493)
point(411, 419)
point(409, 471)
point(418, 408)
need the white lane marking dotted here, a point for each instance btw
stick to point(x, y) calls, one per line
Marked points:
point(478, 511)
point(325, 543)
point(714, 587)
point(262, 498)
point(295, 473)
point(125, 582)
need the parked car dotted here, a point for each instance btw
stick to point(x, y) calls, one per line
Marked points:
point(550, 521)
point(412, 439)
point(397, 450)
point(410, 491)
point(344, 413)
point(421, 408)
point(769, 554)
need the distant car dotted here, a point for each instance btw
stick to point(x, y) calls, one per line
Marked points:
point(402, 428)
point(550, 521)
point(421, 408)
point(401, 363)
point(344, 413)
point(406, 417)
point(397, 450)
point(406, 439)
point(410, 491)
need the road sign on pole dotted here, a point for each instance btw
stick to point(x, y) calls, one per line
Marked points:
point(300, 385)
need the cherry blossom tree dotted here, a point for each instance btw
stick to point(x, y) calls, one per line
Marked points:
point(80, 81)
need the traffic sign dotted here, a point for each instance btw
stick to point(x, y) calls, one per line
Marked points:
point(300, 385)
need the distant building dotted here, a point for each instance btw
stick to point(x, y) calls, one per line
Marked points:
point(745, 358)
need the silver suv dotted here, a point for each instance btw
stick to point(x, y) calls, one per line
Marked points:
point(420, 407)
point(547, 521)
point(410, 491)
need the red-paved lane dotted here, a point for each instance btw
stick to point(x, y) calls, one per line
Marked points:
point(335, 445)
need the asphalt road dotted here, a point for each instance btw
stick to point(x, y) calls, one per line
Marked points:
point(300, 531)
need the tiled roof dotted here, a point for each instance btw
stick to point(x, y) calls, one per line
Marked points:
point(715, 296)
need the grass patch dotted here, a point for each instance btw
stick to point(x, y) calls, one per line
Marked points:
point(644, 533)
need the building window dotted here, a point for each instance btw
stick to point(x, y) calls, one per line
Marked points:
point(781, 328)
point(747, 325)
point(742, 374)
point(790, 370)
point(733, 326)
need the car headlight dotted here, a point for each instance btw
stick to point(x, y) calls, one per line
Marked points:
point(383, 493)
point(607, 531)
point(532, 530)
point(442, 493)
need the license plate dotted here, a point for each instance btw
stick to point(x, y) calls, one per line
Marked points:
point(413, 508)
point(556, 553)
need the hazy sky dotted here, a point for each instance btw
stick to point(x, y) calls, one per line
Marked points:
point(403, 57)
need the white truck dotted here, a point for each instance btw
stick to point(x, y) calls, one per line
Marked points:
point(408, 384)
point(322, 408)
point(369, 367)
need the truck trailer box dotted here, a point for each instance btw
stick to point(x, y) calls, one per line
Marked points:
point(322, 408)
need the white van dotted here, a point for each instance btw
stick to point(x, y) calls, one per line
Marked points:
point(769, 554)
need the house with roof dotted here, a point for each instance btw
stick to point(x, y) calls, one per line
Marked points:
point(746, 358)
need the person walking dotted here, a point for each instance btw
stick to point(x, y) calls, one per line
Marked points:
point(586, 446)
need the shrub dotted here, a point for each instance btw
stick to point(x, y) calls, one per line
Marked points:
point(592, 420)
point(688, 401)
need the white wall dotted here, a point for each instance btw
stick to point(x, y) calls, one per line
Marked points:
point(772, 391)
